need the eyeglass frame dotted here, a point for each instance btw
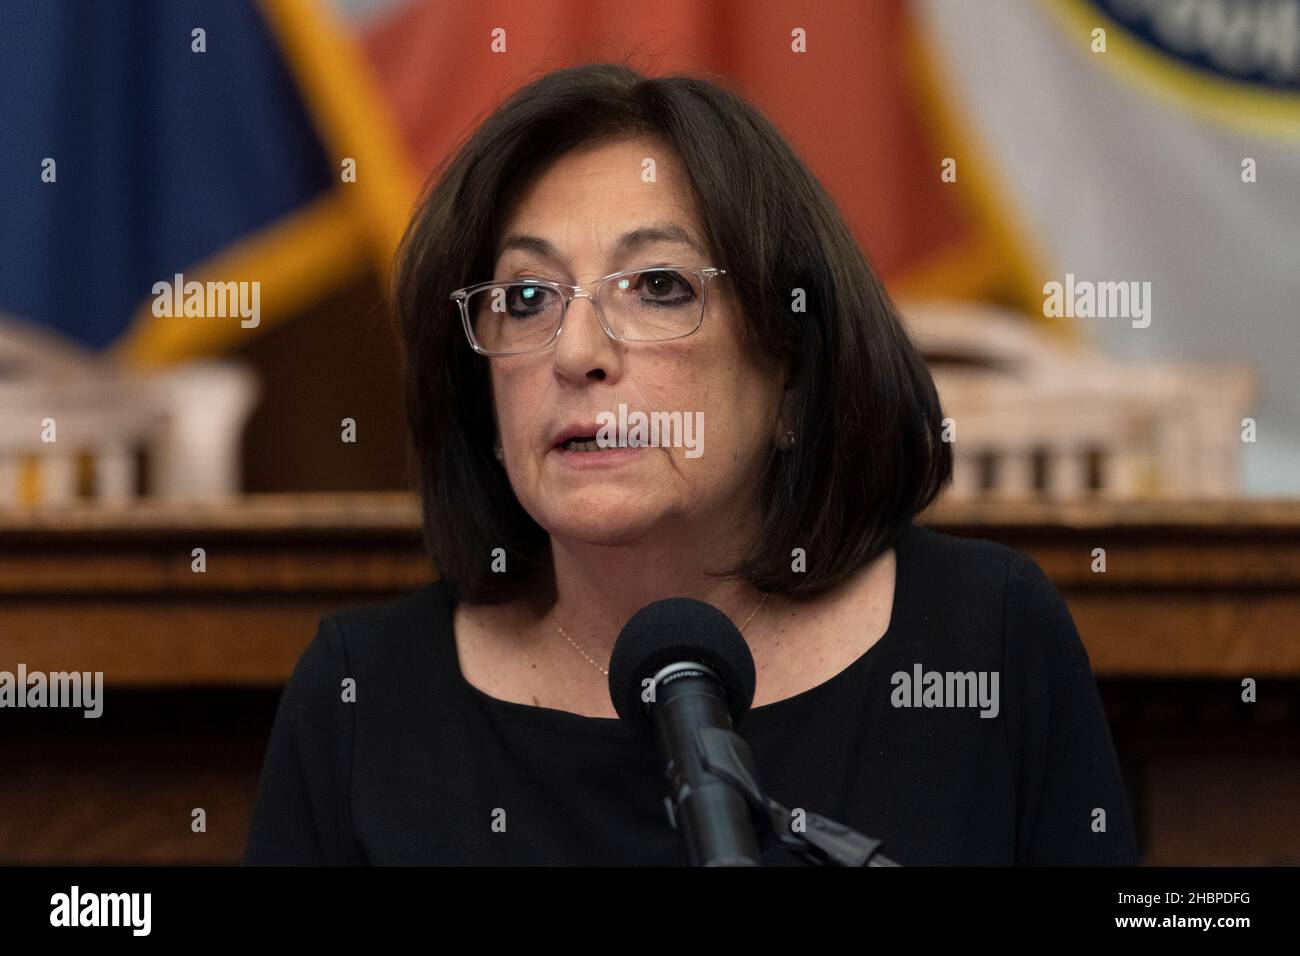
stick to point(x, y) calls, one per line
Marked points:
point(589, 290)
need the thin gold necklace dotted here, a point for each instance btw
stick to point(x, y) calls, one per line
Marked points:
point(606, 673)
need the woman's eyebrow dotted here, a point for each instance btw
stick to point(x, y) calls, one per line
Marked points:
point(639, 238)
point(631, 241)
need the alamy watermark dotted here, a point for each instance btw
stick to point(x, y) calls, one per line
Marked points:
point(62, 689)
point(1098, 300)
point(213, 300)
point(922, 688)
point(75, 908)
point(653, 429)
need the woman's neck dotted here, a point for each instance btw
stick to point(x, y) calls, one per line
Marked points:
point(591, 590)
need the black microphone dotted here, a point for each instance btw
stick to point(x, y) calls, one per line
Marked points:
point(680, 668)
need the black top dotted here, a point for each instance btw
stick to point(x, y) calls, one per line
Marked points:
point(425, 768)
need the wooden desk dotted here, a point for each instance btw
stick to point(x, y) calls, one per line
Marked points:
point(193, 662)
point(1190, 589)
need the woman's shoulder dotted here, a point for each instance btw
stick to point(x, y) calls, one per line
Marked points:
point(968, 572)
point(975, 579)
point(937, 548)
point(394, 633)
point(983, 601)
point(974, 591)
point(412, 610)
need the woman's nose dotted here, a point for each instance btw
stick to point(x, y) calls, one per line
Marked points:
point(584, 347)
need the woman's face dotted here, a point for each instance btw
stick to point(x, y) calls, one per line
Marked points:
point(581, 206)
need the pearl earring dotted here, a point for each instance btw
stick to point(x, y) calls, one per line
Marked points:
point(498, 452)
point(786, 441)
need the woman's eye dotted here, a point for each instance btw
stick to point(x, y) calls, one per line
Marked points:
point(526, 300)
point(659, 283)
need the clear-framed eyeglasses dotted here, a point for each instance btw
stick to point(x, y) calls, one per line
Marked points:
point(653, 304)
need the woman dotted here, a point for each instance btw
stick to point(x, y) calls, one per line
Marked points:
point(605, 245)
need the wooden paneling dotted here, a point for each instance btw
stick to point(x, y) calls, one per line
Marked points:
point(115, 591)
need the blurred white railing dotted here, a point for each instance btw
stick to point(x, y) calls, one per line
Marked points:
point(185, 422)
point(1035, 418)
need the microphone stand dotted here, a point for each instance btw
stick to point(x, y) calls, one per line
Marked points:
point(825, 842)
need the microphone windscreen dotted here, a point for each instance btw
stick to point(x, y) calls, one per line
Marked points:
point(673, 630)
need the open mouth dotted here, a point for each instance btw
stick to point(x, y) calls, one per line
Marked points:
point(585, 436)
point(584, 443)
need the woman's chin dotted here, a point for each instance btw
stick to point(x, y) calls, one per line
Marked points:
point(604, 522)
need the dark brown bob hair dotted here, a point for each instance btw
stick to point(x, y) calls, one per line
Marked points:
point(867, 457)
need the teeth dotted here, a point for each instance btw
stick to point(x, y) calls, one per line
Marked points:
point(574, 444)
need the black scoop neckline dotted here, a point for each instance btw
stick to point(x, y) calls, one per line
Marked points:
point(568, 721)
